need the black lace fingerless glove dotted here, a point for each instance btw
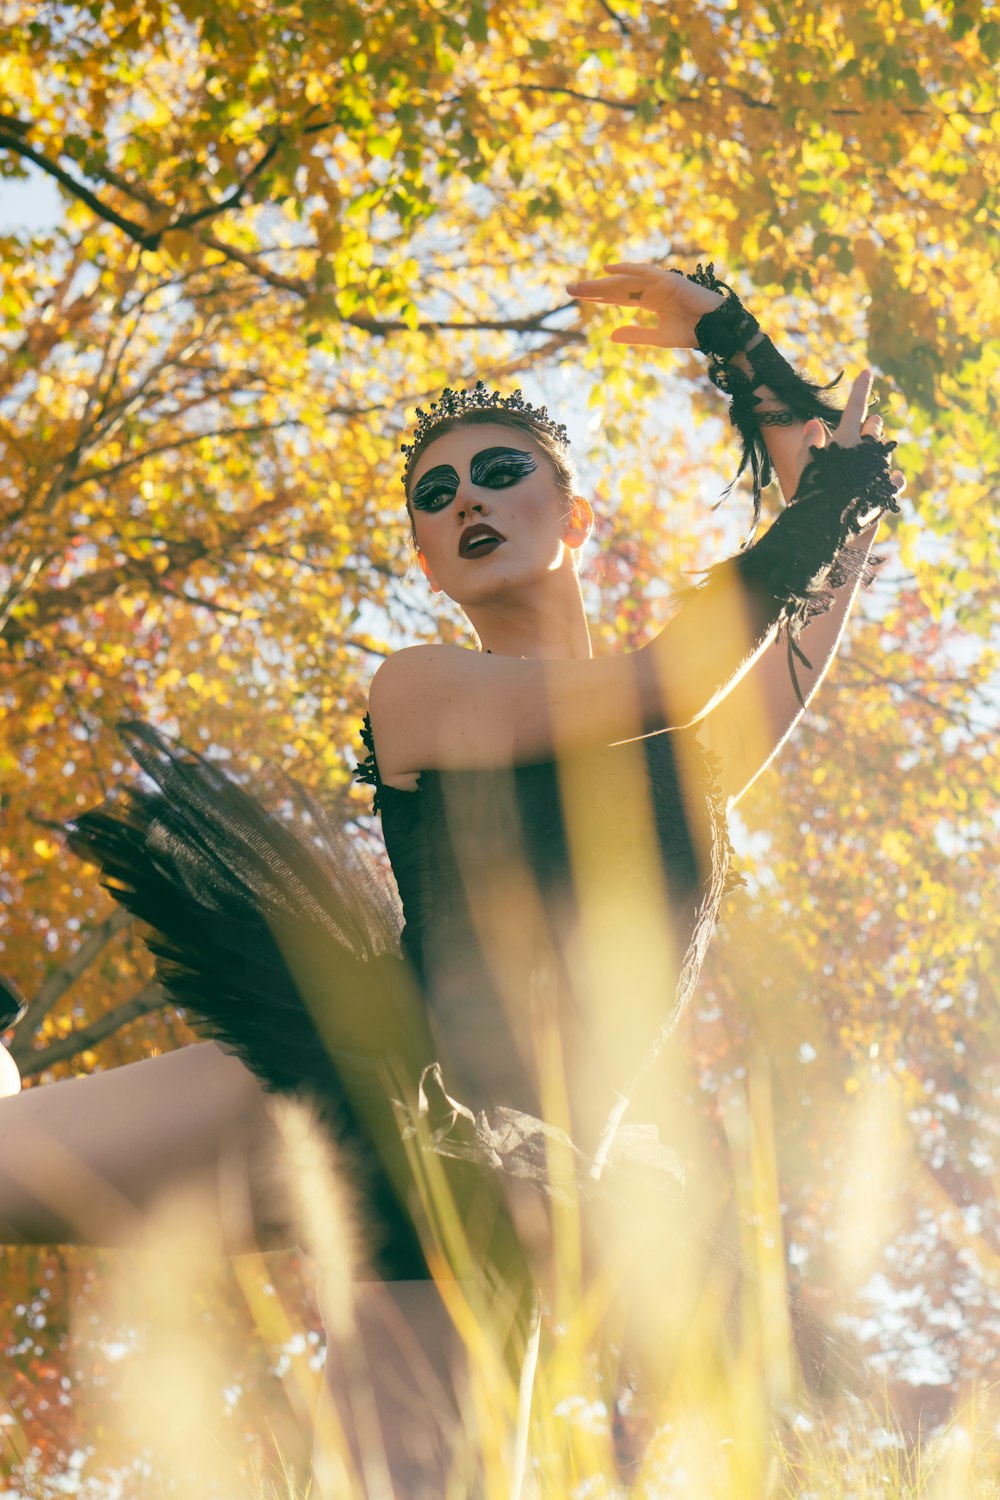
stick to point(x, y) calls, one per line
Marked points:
point(728, 330)
point(789, 577)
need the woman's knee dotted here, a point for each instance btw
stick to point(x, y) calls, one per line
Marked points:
point(86, 1159)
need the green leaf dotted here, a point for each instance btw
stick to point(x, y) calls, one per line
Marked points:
point(478, 24)
point(989, 40)
point(843, 259)
point(911, 80)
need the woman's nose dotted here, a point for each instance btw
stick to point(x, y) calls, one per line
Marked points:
point(467, 504)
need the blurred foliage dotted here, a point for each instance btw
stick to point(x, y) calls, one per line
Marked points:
point(281, 227)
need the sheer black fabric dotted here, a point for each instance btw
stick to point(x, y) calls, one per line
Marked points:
point(280, 938)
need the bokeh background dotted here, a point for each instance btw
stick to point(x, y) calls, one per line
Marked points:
point(238, 244)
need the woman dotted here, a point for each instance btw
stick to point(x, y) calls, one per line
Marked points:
point(556, 827)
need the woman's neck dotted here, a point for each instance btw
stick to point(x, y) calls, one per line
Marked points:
point(551, 624)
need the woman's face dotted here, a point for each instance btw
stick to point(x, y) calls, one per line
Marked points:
point(489, 515)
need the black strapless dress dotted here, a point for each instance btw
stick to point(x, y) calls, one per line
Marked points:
point(507, 881)
point(286, 942)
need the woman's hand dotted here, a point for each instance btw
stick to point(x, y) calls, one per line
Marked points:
point(676, 302)
point(853, 426)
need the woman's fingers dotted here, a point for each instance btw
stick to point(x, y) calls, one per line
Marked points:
point(633, 268)
point(636, 335)
point(626, 283)
point(849, 427)
point(614, 289)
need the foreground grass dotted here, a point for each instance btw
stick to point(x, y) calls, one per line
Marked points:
point(722, 1414)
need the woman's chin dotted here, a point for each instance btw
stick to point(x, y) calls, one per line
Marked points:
point(502, 584)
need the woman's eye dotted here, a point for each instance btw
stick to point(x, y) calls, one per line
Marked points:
point(433, 499)
point(498, 468)
point(502, 475)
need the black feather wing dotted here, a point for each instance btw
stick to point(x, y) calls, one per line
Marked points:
point(280, 936)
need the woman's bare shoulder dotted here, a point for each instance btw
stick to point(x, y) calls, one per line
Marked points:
point(400, 703)
point(410, 670)
point(447, 707)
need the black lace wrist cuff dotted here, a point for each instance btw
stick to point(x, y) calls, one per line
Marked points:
point(862, 473)
point(729, 330)
point(725, 330)
point(801, 396)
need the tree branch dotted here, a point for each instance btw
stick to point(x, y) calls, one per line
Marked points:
point(382, 326)
point(93, 475)
point(63, 978)
point(631, 105)
point(34, 1060)
point(622, 25)
point(533, 324)
point(148, 239)
point(280, 283)
point(103, 583)
point(185, 221)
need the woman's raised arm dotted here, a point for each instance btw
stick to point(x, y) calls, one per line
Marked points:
point(447, 707)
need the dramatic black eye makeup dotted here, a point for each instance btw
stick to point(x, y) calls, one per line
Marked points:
point(494, 468)
point(499, 467)
point(435, 488)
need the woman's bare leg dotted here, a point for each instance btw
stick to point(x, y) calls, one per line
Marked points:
point(83, 1160)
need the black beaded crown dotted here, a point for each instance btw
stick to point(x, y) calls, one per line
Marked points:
point(456, 403)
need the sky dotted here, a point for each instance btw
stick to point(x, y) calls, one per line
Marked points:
point(32, 203)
